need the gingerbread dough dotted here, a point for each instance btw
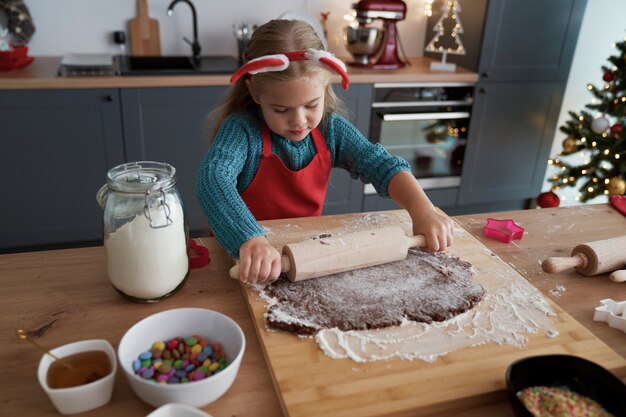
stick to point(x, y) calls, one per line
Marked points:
point(423, 288)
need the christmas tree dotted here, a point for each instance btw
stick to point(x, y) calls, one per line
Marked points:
point(593, 158)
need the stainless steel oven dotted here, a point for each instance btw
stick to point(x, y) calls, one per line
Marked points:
point(426, 124)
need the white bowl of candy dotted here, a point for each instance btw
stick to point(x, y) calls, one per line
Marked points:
point(188, 356)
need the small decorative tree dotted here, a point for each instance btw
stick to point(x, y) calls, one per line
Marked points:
point(447, 40)
point(599, 139)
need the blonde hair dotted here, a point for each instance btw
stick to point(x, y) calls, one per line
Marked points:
point(277, 37)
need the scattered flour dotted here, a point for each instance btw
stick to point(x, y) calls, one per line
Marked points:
point(558, 290)
point(510, 310)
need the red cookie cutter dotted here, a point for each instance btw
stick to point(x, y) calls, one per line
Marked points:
point(503, 230)
point(198, 255)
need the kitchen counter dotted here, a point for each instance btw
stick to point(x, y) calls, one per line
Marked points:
point(63, 296)
point(42, 74)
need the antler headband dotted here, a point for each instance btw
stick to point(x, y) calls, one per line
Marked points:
point(280, 62)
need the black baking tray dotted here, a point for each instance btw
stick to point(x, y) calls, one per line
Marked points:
point(580, 375)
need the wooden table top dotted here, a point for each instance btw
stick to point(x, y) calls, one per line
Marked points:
point(64, 296)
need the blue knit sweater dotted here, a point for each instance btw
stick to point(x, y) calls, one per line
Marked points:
point(233, 160)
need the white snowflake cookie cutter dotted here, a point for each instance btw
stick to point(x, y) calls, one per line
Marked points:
point(612, 312)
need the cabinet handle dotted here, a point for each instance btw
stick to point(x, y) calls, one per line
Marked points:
point(482, 90)
point(108, 98)
point(484, 75)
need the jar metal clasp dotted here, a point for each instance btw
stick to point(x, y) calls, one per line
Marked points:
point(147, 211)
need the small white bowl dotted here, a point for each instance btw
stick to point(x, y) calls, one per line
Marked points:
point(184, 322)
point(83, 397)
point(177, 410)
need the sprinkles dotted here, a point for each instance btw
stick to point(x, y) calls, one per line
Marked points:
point(559, 402)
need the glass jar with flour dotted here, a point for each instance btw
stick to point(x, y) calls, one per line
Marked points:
point(145, 231)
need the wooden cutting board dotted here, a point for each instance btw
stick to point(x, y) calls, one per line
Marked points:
point(309, 383)
point(144, 32)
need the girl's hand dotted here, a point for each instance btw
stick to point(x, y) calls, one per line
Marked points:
point(435, 225)
point(258, 261)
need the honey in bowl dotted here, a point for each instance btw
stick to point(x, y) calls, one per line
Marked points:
point(86, 367)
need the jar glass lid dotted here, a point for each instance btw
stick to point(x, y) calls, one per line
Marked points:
point(141, 177)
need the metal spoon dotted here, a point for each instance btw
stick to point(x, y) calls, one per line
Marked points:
point(94, 376)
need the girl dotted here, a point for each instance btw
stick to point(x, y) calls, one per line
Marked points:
point(278, 136)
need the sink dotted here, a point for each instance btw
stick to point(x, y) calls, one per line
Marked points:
point(175, 65)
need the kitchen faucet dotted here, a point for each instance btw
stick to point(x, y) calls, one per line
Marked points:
point(195, 45)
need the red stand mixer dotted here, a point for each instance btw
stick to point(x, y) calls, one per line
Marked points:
point(390, 12)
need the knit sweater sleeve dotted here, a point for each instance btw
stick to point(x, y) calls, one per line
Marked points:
point(230, 220)
point(361, 158)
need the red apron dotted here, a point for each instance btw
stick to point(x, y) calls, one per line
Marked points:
point(276, 192)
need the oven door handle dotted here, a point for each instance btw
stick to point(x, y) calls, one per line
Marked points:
point(390, 117)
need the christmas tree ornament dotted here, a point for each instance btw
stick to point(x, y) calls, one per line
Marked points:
point(18, 21)
point(569, 145)
point(548, 199)
point(616, 129)
point(616, 186)
point(600, 125)
point(608, 76)
point(619, 202)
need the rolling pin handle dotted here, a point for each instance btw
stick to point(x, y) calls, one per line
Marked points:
point(417, 241)
point(618, 276)
point(558, 264)
point(285, 266)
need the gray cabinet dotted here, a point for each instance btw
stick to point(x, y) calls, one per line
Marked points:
point(526, 40)
point(170, 125)
point(57, 146)
point(344, 194)
point(511, 134)
point(527, 50)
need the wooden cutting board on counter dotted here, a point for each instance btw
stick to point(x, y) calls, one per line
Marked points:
point(309, 383)
point(144, 32)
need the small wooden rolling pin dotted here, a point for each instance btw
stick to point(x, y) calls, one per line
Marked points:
point(591, 258)
point(321, 256)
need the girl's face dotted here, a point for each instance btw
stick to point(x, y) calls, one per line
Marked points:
point(292, 109)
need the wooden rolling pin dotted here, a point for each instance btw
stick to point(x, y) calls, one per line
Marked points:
point(618, 276)
point(591, 258)
point(320, 256)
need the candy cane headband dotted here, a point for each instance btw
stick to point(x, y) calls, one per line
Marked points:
point(280, 62)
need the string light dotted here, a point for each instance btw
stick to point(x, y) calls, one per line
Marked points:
point(449, 12)
point(428, 8)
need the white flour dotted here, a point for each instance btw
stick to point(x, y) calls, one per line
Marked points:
point(511, 309)
point(148, 263)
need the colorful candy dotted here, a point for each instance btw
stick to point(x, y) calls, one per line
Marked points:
point(180, 360)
